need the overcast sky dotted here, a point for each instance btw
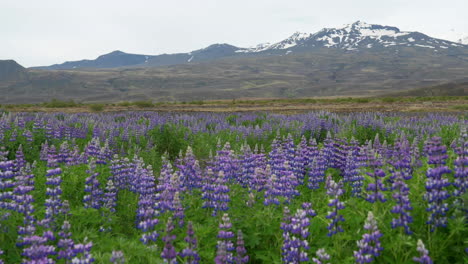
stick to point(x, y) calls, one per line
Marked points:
point(44, 32)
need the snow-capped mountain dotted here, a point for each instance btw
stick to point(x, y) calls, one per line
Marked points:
point(358, 36)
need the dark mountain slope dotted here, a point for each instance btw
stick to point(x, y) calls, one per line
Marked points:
point(321, 72)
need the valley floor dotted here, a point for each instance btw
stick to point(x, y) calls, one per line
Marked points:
point(275, 105)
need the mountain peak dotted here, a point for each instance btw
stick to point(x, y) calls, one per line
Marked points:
point(358, 35)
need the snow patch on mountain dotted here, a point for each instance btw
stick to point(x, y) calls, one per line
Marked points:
point(355, 36)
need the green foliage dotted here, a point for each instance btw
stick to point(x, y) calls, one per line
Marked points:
point(55, 103)
point(143, 104)
point(96, 107)
point(125, 103)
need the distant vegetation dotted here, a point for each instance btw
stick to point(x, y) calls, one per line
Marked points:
point(97, 107)
point(55, 103)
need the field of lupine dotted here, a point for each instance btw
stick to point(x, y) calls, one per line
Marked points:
point(147, 187)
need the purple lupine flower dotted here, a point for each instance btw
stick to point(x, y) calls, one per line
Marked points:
point(317, 171)
point(436, 184)
point(6, 184)
point(93, 148)
point(271, 192)
point(225, 236)
point(376, 187)
point(117, 257)
point(169, 253)
point(287, 183)
point(295, 233)
point(328, 151)
point(28, 135)
point(105, 154)
point(216, 192)
point(226, 161)
point(65, 243)
point(147, 206)
point(82, 253)
point(241, 253)
point(247, 164)
point(260, 178)
point(424, 254)
point(109, 199)
point(37, 250)
point(94, 197)
point(64, 153)
point(190, 170)
point(415, 154)
point(322, 257)
point(221, 254)
point(369, 245)
point(13, 135)
point(54, 202)
point(352, 173)
point(340, 153)
point(307, 207)
point(299, 163)
point(277, 156)
point(20, 162)
point(334, 190)
point(178, 209)
point(312, 151)
point(169, 185)
point(121, 169)
point(401, 172)
point(52, 157)
point(22, 198)
point(288, 147)
point(460, 183)
point(190, 252)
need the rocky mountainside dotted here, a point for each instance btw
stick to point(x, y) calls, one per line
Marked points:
point(355, 37)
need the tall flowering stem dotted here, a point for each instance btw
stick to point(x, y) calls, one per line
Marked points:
point(94, 197)
point(369, 246)
point(424, 254)
point(400, 173)
point(376, 188)
point(169, 253)
point(317, 171)
point(190, 252)
point(295, 234)
point(334, 190)
point(54, 192)
point(6, 184)
point(352, 174)
point(225, 237)
point(216, 192)
point(241, 253)
point(436, 183)
point(65, 243)
point(460, 147)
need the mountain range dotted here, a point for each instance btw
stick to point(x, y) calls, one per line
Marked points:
point(352, 37)
point(356, 59)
